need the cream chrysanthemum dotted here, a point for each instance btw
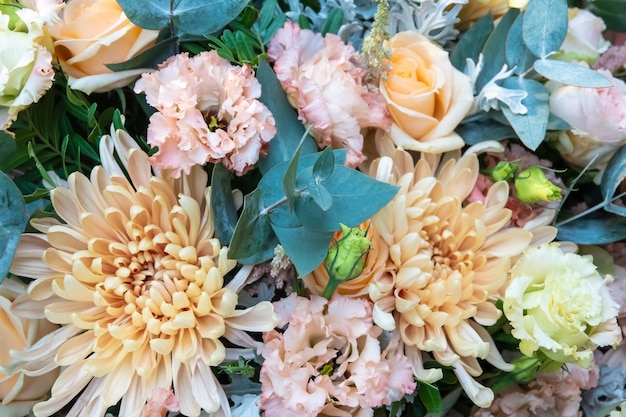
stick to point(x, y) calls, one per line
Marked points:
point(135, 277)
point(449, 261)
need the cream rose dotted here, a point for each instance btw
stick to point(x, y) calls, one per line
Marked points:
point(597, 117)
point(93, 33)
point(426, 96)
point(475, 9)
point(19, 392)
point(25, 64)
point(558, 304)
point(584, 40)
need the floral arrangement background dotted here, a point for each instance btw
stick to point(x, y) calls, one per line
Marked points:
point(317, 208)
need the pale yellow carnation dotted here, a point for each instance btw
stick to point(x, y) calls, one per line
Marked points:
point(559, 304)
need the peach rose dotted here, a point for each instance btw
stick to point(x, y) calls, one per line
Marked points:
point(93, 33)
point(475, 9)
point(426, 96)
point(19, 392)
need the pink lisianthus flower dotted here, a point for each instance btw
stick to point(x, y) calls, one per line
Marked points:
point(555, 394)
point(207, 112)
point(328, 361)
point(325, 85)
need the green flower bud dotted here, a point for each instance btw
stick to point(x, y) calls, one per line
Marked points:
point(504, 171)
point(346, 258)
point(532, 186)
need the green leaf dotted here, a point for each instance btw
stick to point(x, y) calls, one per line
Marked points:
point(612, 12)
point(494, 51)
point(266, 14)
point(472, 42)
point(323, 167)
point(613, 175)
point(333, 21)
point(12, 222)
point(7, 146)
point(222, 203)
point(289, 180)
point(289, 129)
point(570, 73)
point(479, 131)
point(530, 127)
point(253, 239)
point(188, 17)
point(431, 398)
point(518, 56)
point(306, 248)
point(545, 26)
point(150, 58)
point(320, 195)
point(356, 198)
point(594, 231)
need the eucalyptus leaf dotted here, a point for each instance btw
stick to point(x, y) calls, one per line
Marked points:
point(494, 51)
point(222, 203)
point(594, 231)
point(253, 239)
point(289, 180)
point(518, 56)
point(570, 73)
point(356, 198)
point(323, 167)
point(289, 130)
point(188, 17)
point(614, 174)
point(320, 195)
point(472, 42)
point(305, 248)
point(479, 131)
point(545, 26)
point(530, 127)
point(12, 222)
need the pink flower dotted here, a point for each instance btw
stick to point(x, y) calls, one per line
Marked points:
point(329, 361)
point(162, 401)
point(207, 112)
point(555, 394)
point(325, 85)
point(597, 117)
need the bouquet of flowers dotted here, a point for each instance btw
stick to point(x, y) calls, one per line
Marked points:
point(316, 208)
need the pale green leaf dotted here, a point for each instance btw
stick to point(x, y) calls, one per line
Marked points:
point(570, 73)
point(545, 26)
point(12, 222)
point(530, 127)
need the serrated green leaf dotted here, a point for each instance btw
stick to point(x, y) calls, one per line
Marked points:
point(594, 231)
point(613, 175)
point(306, 248)
point(253, 239)
point(12, 222)
point(188, 17)
point(320, 195)
point(323, 167)
point(356, 198)
point(431, 398)
point(472, 42)
point(544, 26)
point(494, 51)
point(222, 203)
point(530, 127)
point(289, 129)
point(570, 73)
point(518, 56)
point(333, 21)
